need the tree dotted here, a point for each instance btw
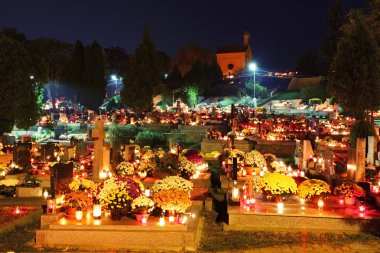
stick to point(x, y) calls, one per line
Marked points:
point(18, 92)
point(188, 55)
point(334, 22)
point(354, 73)
point(374, 19)
point(116, 60)
point(314, 92)
point(93, 88)
point(251, 89)
point(191, 95)
point(55, 54)
point(143, 76)
point(72, 72)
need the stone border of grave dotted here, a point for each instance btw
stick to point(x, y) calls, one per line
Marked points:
point(31, 217)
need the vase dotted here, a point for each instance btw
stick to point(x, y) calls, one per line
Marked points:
point(124, 211)
point(115, 214)
point(140, 217)
point(350, 201)
point(71, 211)
point(248, 169)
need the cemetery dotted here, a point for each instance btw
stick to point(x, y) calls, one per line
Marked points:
point(283, 173)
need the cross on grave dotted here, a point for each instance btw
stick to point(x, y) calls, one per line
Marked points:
point(98, 135)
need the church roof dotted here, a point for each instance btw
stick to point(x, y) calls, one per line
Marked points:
point(231, 49)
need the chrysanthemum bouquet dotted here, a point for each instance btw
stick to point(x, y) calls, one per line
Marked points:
point(313, 188)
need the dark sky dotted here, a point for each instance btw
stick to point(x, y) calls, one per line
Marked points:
point(280, 29)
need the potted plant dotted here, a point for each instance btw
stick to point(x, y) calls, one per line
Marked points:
point(173, 200)
point(350, 191)
point(254, 159)
point(313, 188)
point(142, 206)
point(186, 168)
point(117, 193)
point(277, 186)
point(125, 169)
point(82, 184)
point(75, 200)
point(30, 187)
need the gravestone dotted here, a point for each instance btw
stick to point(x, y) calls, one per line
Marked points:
point(21, 154)
point(61, 175)
point(371, 150)
point(307, 152)
point(98, 135)
point(47, 151)
point(360, 160)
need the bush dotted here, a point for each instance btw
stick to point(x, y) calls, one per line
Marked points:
point(122, 133)
point(315, 101)
point(313, 92)
point(361, 129)
point(149, 138)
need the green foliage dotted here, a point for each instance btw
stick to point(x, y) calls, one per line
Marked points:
point(361, 129)
point(314, 92)
point(315, 101)
point(142, 76)
point(261, 91)
point(191, 95)
point(354, 72)
point(149, 138)
point(228, 101)
point(54, 54)
point(334, 22)
point(246, 101)
point(18, 93)
point(122, 133)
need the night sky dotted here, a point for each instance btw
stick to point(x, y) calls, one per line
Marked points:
point(280, 30)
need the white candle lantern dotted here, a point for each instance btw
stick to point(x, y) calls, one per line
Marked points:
point(320, 203)
point(97, 211)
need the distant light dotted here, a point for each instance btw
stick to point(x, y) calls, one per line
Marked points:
point(252, 66)
point(166, 76)
point(114, 77)
point(31, 77)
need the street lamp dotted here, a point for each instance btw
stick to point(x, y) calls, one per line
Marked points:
point(252, 67)
point(115, 79)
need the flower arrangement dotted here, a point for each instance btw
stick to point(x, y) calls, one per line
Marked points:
point(82, 184)
point(349, 189)
point(169, 162)
point(173, 199)
point(255, 159)
point(190, 152)
point(160, 153)
point(278, 185)
point(213, 154)
point(10, 182)
point(313, 188)
point(77, 199)
point(196, 159)
point(111, 187)
point(142, 203)
point(255, 183)
point(186, 168)
point(77, 167)
point(278, 166)
point(148, 155)
point(172, 182)
point(125, 169)
point(117, 199)
point(269, 158)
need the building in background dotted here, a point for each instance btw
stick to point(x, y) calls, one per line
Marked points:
point(233, 59)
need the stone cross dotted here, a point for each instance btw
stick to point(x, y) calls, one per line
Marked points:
point(99, 135)
point(360, 160)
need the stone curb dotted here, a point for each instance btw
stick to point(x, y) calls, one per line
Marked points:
point(29, 218)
